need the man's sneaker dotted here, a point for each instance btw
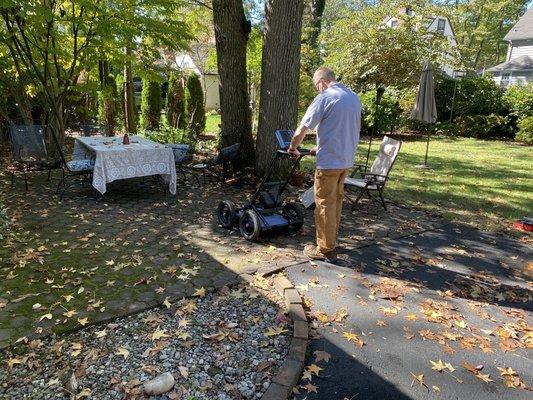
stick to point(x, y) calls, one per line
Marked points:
point(313, 253)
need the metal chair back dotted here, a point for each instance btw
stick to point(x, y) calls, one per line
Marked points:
point(388, 152)
point(180, 151)
point(27, 142)
point(91, 130)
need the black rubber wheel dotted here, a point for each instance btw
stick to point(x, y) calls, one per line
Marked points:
point(249, 225)
point(296, 213)
point(227, 214)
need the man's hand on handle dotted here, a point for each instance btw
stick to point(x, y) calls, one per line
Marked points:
point(294, 152)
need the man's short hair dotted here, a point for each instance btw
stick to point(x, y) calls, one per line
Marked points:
point(325, 73)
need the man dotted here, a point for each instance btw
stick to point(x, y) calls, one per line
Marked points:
point(336, 114)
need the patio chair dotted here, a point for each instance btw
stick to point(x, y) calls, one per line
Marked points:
point(90, 130)
point(181, 154)
point(376, 178)
point(82, 169)
point(224, 158)
point(28, 146)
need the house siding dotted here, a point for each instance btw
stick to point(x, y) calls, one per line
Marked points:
point(520, 50)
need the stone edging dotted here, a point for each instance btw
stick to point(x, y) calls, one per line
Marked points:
point(289, 373)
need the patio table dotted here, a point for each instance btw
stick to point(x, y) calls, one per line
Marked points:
point(114, 160)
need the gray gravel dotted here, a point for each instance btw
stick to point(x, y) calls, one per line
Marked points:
point(238, 364)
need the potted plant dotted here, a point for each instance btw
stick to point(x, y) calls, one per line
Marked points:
point(298, 178)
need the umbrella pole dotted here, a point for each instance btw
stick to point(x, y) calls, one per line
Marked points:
point(427, 148)
point(374, 130)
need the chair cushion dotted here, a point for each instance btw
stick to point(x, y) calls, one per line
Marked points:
point(360, 183)
point(81, 165)
point(180, 151)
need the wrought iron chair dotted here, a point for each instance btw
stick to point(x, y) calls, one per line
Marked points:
point(90, 130)
point(28, 146)
point(376, 178)
point(224, 158)
point(82, 168)
point(181, 155)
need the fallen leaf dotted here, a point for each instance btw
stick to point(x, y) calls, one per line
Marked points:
point(199, 292)
point(159, 334)
point(167, 303)
point(101, 334)
point(121, 351)
point(437, 366)
point(45, 316)
point(13, 361)
point(310, 388)
point(484, 378)
point(322, 355)
point(352, 337)
point(275, 331)
point(419, 379)
point(184, 371)
point(83, 321)
point(314, 369)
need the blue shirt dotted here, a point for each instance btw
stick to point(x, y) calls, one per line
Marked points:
point(337, 114)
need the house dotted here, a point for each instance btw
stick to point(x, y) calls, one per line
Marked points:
point(435, 24)
point(210, 80)
point(518, 67)
point(188, 62)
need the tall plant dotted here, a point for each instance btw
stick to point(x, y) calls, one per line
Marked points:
point(150, 105)
point(176, 101)
point(108, 106)
point(194, 98)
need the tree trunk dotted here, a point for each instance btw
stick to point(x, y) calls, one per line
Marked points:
point(317, 10)
point(278, 108)
point(129, 96)
point(231, 35)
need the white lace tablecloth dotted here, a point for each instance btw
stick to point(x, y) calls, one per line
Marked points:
point(114, 160)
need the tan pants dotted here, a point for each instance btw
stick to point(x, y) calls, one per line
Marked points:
point(329, 193)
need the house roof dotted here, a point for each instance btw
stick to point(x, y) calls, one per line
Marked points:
point(522, 63)
point(523, 29)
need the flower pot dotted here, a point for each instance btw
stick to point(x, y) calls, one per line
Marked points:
point(298, 179)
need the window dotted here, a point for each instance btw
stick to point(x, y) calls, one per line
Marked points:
point(393, 23)
point(441, 24)
point(504, 81)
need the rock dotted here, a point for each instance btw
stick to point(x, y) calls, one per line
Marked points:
point(161, 384)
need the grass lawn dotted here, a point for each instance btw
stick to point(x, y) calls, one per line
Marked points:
point(484, 183)
point(211, 124)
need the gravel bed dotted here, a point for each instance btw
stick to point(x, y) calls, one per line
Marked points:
point(215, 347)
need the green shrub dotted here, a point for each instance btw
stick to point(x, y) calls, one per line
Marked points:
point(525, 130)
point(519, 100)
point(389, 114)
point(108, 106)
point(150, 105)
point(474, 95)
point(482, 126)
point(176, 101)
point(194, 98)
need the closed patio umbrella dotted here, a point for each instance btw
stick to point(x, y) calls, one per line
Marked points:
point(425, 109)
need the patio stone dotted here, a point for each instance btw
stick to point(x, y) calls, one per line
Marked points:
point(140, 225)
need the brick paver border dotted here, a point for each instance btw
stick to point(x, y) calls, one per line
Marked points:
point(289, 373)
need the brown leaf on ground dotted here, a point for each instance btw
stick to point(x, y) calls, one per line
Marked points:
point(420, 379)
point(322, 355)
point(310, 388)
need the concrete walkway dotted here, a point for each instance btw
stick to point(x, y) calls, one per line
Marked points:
point(450, 295)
